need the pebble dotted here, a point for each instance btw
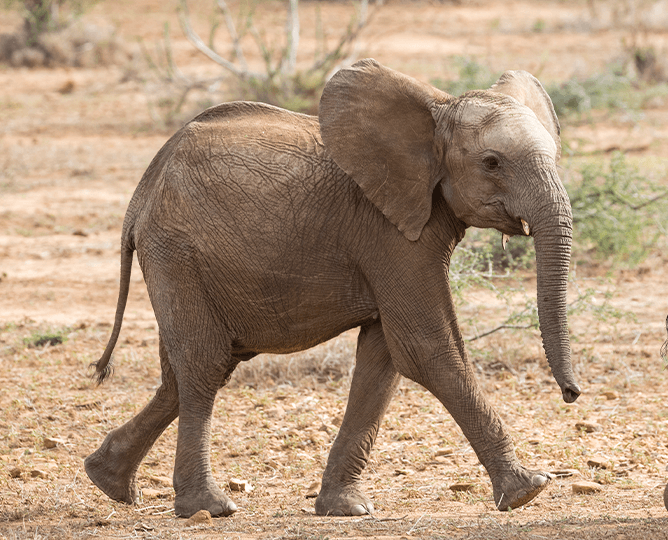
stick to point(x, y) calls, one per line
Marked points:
point(462, 486)
point(150, 493)
point(15, 472)
point(564, 473)
point(319, 438)
point(444, 452)
point(313, 490)
point(588, 427)
point(36, 473)
point(203, 517)
point(599, 462)
point(162, 481)
point(52, 442)
point(239, 485)
point(586, 487)
point(277, 412)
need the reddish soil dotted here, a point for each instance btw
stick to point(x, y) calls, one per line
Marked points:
point(73, 145)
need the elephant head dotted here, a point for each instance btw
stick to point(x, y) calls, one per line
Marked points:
point(492, 154)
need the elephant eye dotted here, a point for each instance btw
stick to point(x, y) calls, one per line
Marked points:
point(491, 163)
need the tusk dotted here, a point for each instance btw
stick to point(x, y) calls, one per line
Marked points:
point(525, 227)
point(504, 241)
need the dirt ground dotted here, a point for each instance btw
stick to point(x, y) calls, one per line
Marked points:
point(74, 144)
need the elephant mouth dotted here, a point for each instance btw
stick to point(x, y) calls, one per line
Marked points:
point(526, 229)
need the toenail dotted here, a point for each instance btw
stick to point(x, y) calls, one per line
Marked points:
point(358, 510)
point(538, 480)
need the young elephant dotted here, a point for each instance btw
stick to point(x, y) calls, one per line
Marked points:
point(259, 230)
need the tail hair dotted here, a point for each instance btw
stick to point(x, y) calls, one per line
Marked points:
point(103, 367)
point(102, 372)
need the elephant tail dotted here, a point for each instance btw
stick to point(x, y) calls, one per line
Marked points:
point(104, 367)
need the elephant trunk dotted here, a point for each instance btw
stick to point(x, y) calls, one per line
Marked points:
point(552, 228)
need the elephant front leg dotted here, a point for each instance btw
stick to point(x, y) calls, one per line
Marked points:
point(374, 381)
point(113, 467)
point(447, 373)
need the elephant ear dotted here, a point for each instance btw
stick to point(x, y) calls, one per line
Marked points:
point(378, 126)
point(526, 89)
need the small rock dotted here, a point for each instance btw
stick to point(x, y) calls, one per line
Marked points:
point(403, 472)
point(101, 522)
point(239, 485)
point(318, 438)
point(327, 428)
point(313, 490)
point(162, 481)
point(534, 442)
point(442, 452)
point(150, 493)
point(588, 427)
point(564, 473)
point(277, 411)
point(15, 472)
point(36, 473)
point(144, 527)
point(462, 486)
point(586, 487)
point(67, 88)
point(609, 394)
point(599, 462)
point(52, 442)
point(203, 517)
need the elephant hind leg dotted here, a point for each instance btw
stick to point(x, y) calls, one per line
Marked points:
point(113, 467)
point(374, 382)
point(202, 374)
point(200, 354)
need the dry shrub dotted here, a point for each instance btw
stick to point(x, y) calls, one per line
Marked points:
point(77, 45)
point(332, 361)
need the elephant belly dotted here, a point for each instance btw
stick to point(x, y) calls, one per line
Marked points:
point(271, 315)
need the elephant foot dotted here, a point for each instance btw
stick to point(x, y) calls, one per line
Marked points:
point(347, 501)
point(103, 472)
point(518, 486)
point(210, 498)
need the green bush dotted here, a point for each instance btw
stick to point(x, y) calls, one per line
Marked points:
point(609, 90)
point(615, 212)
point(49, 337)
point(616, 219)
point(471, 76)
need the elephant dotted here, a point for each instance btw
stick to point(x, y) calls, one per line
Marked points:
point(260, 230)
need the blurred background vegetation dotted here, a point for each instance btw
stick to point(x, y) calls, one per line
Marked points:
point(617, 200)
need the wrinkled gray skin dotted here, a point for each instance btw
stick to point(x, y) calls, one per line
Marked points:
point(260, 230)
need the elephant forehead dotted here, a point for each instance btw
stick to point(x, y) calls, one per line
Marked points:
point(504, 126)
point(520, 130)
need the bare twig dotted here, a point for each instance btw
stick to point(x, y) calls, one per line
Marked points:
point(193, 37)
point(350, 37)
point(232, 30)
point(293, 38)
point(502, 327)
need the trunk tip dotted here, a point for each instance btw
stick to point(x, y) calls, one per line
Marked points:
point(571, 393)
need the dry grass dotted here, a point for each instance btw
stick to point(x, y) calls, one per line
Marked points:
point(70, 161)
